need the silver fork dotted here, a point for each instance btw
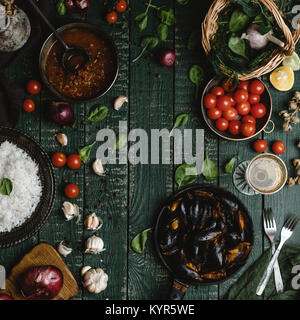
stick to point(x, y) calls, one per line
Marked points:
point(270, 230)
point(286, 233)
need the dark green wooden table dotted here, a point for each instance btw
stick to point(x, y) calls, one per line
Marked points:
point(128, 197)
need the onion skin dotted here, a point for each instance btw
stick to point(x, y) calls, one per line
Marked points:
point(61, 113)
point(5, 297)
point(41, 283)
point(167, 58)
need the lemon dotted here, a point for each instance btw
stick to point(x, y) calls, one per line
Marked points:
point(293, 61)
point(283, 78)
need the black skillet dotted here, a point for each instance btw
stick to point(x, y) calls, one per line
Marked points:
point(181, 284)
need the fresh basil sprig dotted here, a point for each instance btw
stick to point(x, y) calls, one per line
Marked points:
point(162, 31)
point(139, 241)
point(180, 121)
point(238, 46)
point(147, 43)
point(6, 187)
point(210, 169)
point(61, 7)
point(166, 16)
point(230, 165)
point(196, 75)
point(185, 174)
point(98, 113)
point(141, 20)
point(84, 152)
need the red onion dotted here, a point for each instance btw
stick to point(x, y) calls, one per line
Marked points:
point(61, 113)
point(40, 283)
point(5, 297)
point(167, 58)
point(77, 6)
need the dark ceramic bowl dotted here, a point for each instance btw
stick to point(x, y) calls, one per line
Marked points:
point(46, 174)
point(48, 45)
point(261, 124)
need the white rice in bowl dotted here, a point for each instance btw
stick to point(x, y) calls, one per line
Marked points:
point(17, 166)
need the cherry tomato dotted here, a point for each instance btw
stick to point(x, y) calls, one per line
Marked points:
point(33, 87)
point(230, 114)
point(249, 119)
point(59, 159)
point(254, 98)
point(228, 85)
point(243, 108)
point(240, 96)
point(233, 102)
point(111, 17)
point(223, 103)
point(278, 147)
point(214, 113)
point(244, 85)
point(260, 145)
point(71, 190)
point(222, 124)
point(258, 110)
point(210, 101)
point(256, 87)
point(28, 105)
point(121, 6)
point(248, 129)
point(234, 127)
point(218, 91)
point(73, 161)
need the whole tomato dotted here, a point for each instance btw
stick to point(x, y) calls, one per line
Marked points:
point(278, 147)
point(230, 96)
point(71, 190)
point(244, 85)
point(74, 161)
point(121, 6)
point(59, 159)
point(234, 127)
point(218, 91)
point(230, 114)
point(260, 145)
point(254, 98)
point(223, 103)
point(228, 85)
point(256, 87)
point(243, 108)
point(111, 17)
point(240, 96)
point(28, 105)
point(210, 100)
point(258, 110)
point(214, 113)
point(222, 124)
point(249, 118)
point(248, 129)
point(33, 87)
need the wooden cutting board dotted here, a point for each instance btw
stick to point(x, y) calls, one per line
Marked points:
point(42, 254)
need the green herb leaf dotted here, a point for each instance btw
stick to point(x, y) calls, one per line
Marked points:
point(185, 174)
point(230, 165)
point(98, 113)
point(147, 43)
point(210, 169)
point(264, 29)
point(238, 46)
point(166, 16)
point(139, 241)
point(238, 21)
point(142, 21)
point(162, 31)
point(61, 7)
point(120, 142)
point(180, 121)
point(84, 152)
point(6, 187)
point(196, 75)
point(183, 2)
point(193, 41)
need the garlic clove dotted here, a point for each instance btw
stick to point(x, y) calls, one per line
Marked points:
point(63, 250)
point(95, 280)
point(92, 222)
point(98, 167)
point(70, 211)
point(62, 139)
point(84, 270)
point(119, 102)
point(94, 245)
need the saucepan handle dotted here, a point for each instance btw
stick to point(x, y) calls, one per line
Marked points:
point(177, 291)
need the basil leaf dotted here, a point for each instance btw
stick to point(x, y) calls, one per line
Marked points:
point(147, 43)
point(180, 121)
point(141, 21)
point(230, 165)
point(84, 152)
point(162, 31)
point(238, 46)
point(139, 241)
point(238, 21)
point(185, 174)
point(98, 113)
point(166, 16)
point(196, 75)
point(61, 7)
point(6, 187)
point(210, 169)
point(121, 141)
point(183, 2)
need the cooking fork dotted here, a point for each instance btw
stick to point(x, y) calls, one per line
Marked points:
point(270, 230)
point(286, 232)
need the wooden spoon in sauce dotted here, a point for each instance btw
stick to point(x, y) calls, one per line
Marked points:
point(73, 57)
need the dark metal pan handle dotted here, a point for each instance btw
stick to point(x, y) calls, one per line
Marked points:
point(177, 291)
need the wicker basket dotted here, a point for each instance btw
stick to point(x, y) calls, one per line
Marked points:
point(209, 28)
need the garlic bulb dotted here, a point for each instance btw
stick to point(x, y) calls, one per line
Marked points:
point(94, 245)
point(98, 168)
point(70, 211)
point(62, 139)
point(63, 250)
point(92, 222)
point(95, 280)
point(119, 102)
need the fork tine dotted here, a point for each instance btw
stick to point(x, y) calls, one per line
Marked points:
point(287, 224)
point(272, 217)
point(269, 218)
point(294, 223)
point(264, 218)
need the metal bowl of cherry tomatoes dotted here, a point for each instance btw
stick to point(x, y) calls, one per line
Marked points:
point(236, 111)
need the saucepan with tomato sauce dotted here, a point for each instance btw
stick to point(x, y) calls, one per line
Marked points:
point(92, 80)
